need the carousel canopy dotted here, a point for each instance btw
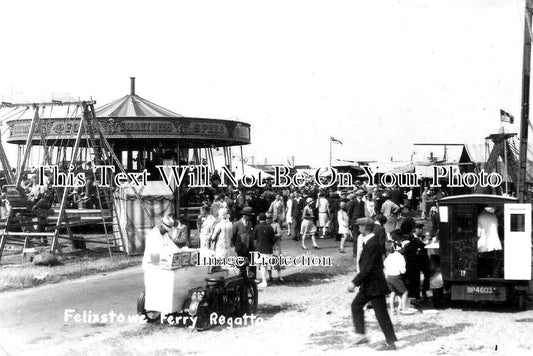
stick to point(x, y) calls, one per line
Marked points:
point(132, 121)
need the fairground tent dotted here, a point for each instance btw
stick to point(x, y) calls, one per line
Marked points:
point(135, 222)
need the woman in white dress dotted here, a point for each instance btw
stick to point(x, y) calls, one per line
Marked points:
point(288, 216)
point(343, 220)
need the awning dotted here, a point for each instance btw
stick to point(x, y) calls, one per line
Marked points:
point(391, 167)
point(154, 190)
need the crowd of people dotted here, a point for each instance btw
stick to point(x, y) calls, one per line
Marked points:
point(235, 222)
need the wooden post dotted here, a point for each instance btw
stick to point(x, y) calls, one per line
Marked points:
point(27, 149)
point(63, 203)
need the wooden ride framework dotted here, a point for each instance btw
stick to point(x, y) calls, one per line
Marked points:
point(102, 154)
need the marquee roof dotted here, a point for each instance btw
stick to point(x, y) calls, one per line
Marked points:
point(133, 105)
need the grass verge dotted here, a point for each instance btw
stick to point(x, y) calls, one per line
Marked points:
point(27, 275)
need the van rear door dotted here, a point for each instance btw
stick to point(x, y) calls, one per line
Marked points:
point(517, 241)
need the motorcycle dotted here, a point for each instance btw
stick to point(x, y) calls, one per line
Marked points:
point(231, 297)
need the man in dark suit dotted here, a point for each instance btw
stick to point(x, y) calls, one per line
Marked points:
point(356, 210)
point(298, 205)
point(381, 235)
point(372, 288)
point(242, 238)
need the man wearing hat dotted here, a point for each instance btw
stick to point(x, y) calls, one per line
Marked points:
point(356, 210)
point(372, 287)
point(297, 207)
point(242, 235)
point(156, 240)
point(308, 227)
point(379, 232)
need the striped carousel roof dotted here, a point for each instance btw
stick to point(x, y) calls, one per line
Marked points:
point(133, 105)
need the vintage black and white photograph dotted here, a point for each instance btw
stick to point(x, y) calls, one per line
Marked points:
point(298, 177)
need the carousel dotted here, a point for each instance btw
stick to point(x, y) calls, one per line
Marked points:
point(139, 135)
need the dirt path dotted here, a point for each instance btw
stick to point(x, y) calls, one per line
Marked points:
point(310, 314)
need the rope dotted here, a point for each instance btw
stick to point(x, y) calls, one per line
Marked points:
point(13, 109)
point(21, 113)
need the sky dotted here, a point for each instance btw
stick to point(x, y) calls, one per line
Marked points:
point(378, 75)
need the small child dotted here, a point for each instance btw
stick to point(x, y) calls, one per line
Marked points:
point(277, 247)
point(394, 268)
point(435, 282)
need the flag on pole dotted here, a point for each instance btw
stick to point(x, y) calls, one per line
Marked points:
point(506, 117)
point(333, 139)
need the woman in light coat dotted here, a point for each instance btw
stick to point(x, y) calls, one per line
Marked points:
point(206, 226)
point(221, 238)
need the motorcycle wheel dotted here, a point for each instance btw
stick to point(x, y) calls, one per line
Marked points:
point(151, 316)
point(249, 298)
point(203, 322)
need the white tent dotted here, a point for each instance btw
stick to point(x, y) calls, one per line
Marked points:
point(249, 171)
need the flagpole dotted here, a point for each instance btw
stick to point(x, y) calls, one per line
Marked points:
point(505, 163)
point(330, 151)
point(242, 162)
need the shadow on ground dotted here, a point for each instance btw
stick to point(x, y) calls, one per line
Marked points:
point(429, 331)
point(524, 320)
point(267, 311)
point(508, 307)
point(341, 333)
point(309, 278)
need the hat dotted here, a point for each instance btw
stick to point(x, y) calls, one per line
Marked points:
point(308, 200)
point(268, 215)
point(360, 192)
point(223, 213)
point(247, 211)
point(167, 222)
point(364, 221)
point(397, 245)
point(489, 209)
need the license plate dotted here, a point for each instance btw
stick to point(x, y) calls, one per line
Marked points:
point(479, 290)
point(475, 293)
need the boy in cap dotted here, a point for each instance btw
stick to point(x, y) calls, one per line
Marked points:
point(276, 250)
point(265, 239)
